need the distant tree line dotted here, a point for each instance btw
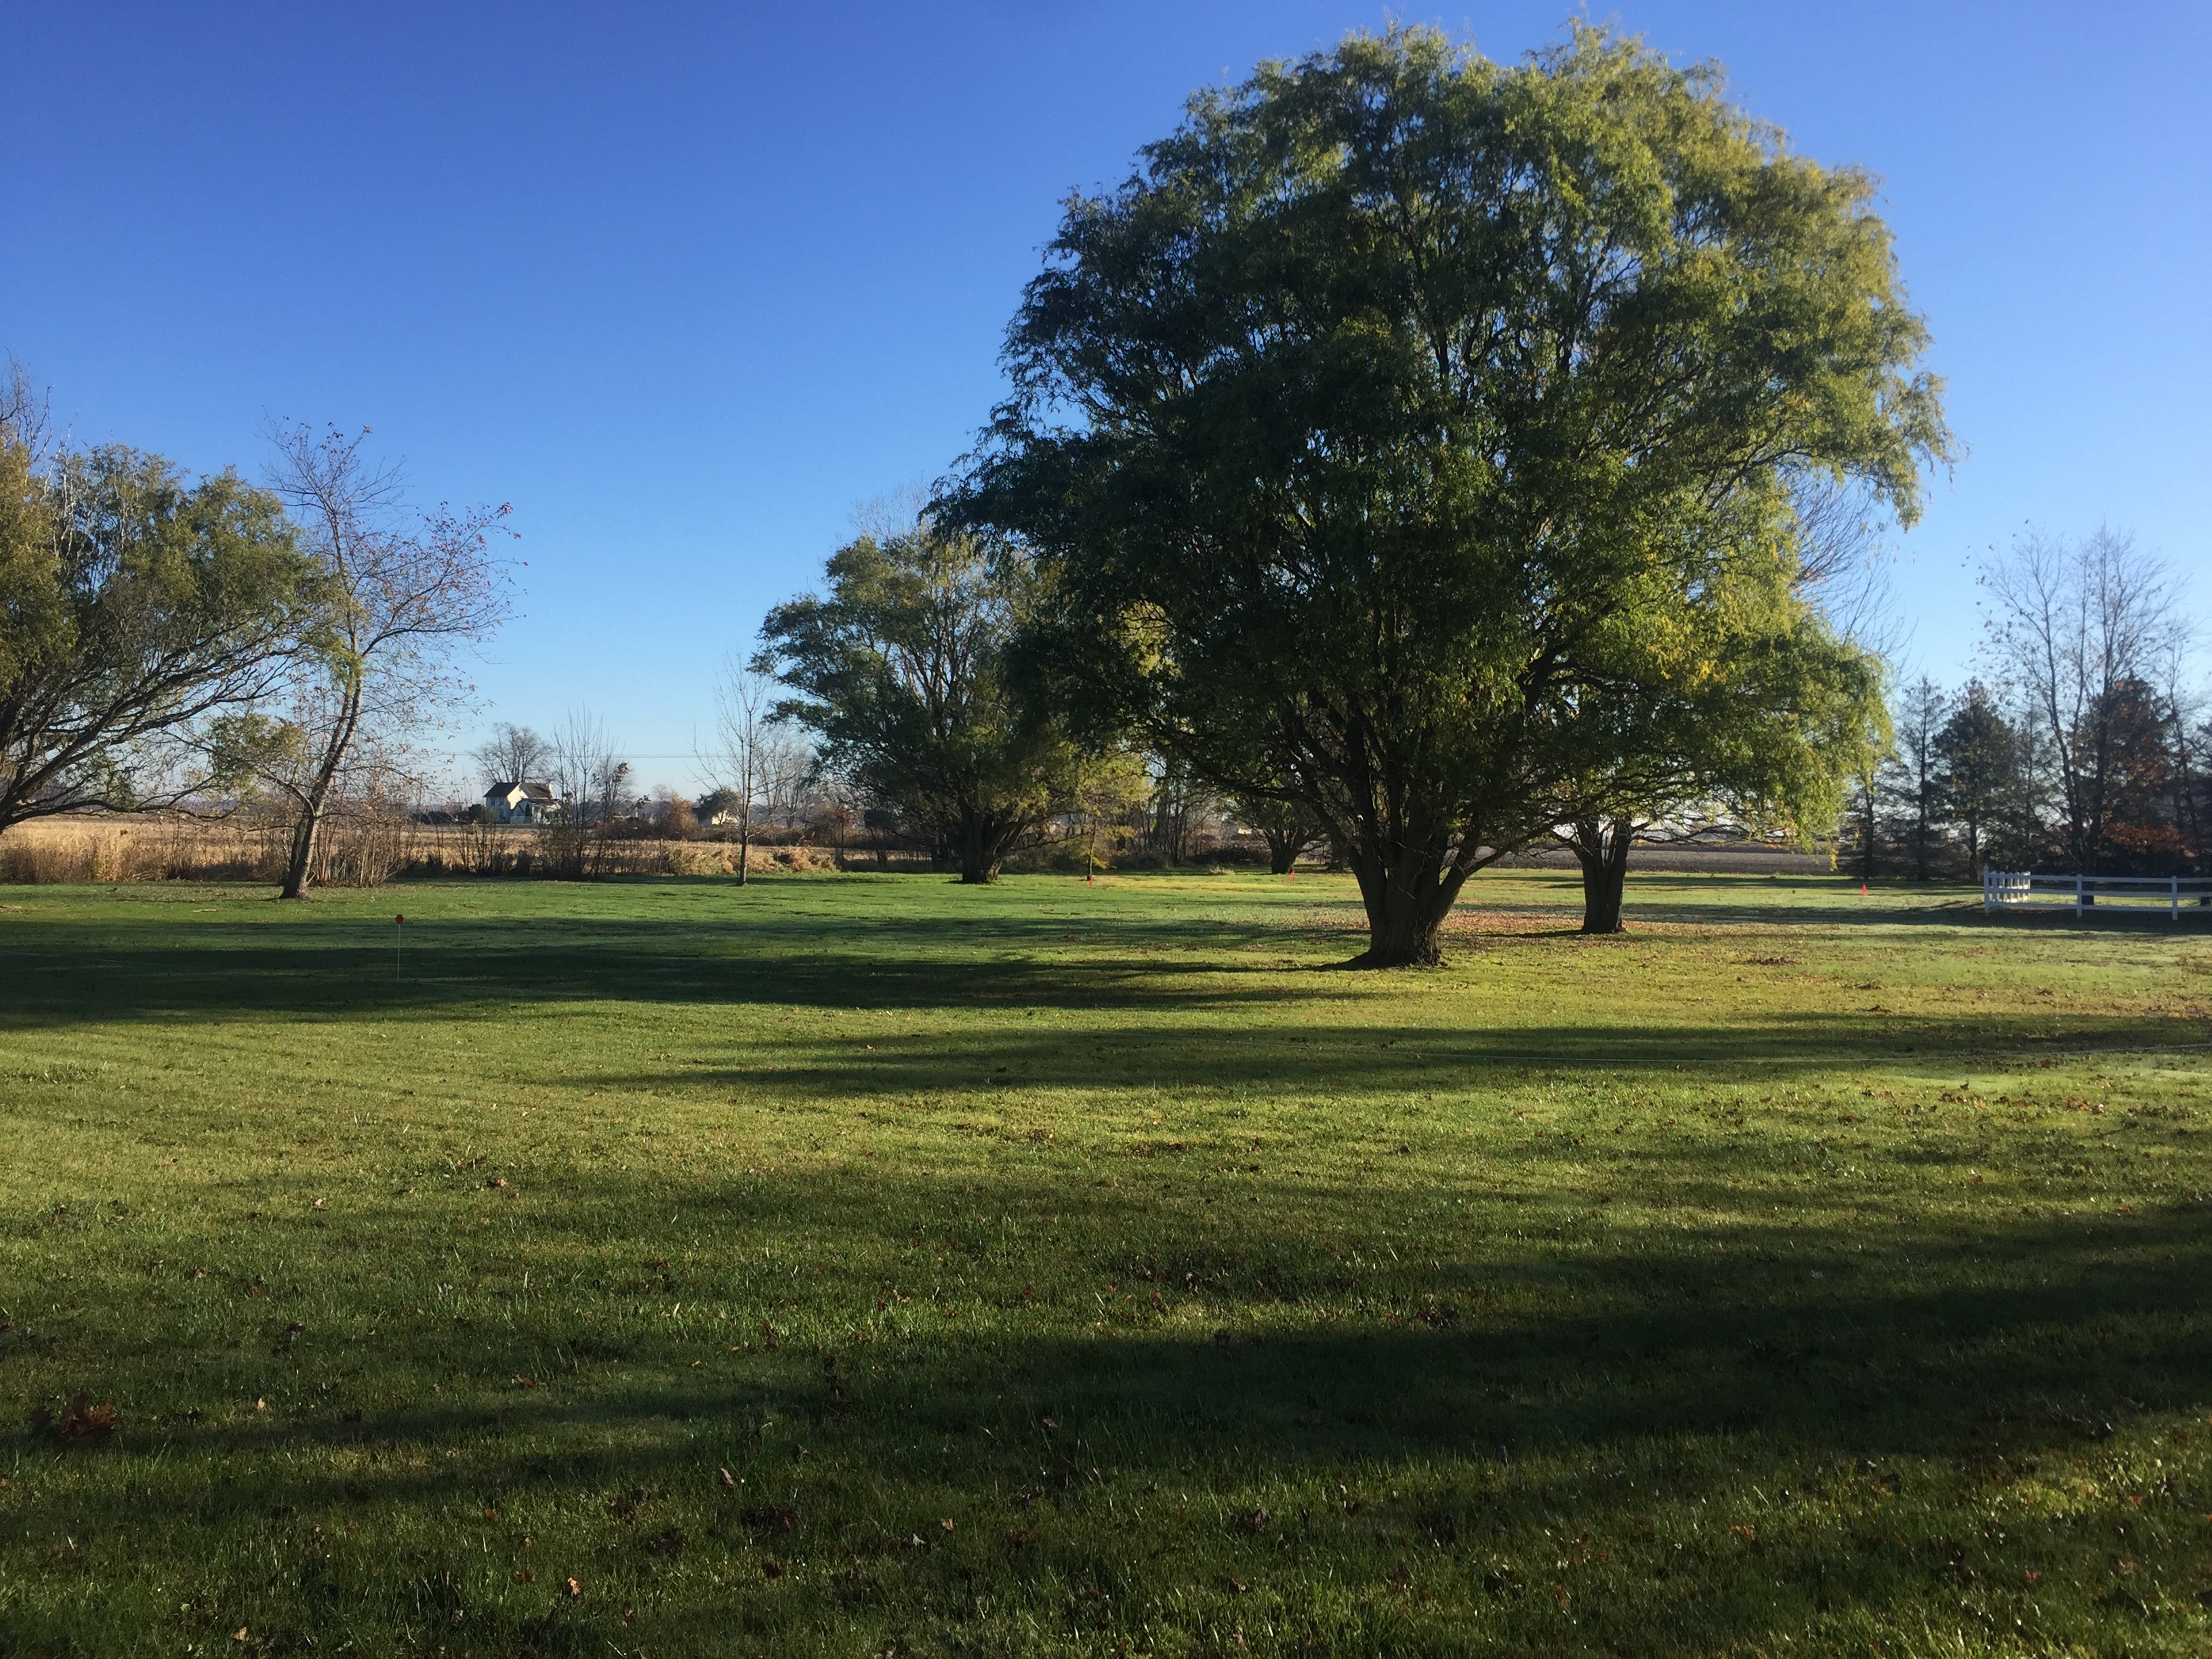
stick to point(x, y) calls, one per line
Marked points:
point(2081, 748)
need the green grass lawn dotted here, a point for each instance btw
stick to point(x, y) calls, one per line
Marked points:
point(867, 1264)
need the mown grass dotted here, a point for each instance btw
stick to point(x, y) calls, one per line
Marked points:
point(866, 1264)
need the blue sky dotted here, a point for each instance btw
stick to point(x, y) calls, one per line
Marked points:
point(686, 283)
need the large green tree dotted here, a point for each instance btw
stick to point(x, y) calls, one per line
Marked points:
point(903, 672)
point(1371, 436)
point(134, 601)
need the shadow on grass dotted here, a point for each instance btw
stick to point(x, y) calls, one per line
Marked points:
point(68, 976)
point(64, 975)
point(1784, 1385)
point(1316, 1056)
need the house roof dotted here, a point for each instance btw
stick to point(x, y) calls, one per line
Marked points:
point(537, 792)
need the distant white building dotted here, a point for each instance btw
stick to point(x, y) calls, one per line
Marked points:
point(521, 803)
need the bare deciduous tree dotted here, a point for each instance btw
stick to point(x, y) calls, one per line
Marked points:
point(2074, 627)
point(512, 754)
point(591, 778)
point(790, 783)
point(403, 595)
point(2185, 704)
point(760, 765)
point(745, 747)
point(1845, 561)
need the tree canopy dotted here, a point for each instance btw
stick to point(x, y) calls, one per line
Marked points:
point(902, 671)
point(133, 601)
point(1410, 417)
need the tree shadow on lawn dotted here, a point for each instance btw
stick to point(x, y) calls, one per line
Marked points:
point(1311, 1056)
point(328, 965)
point(1233, 1037)
point(222, 973)
point(1783, 1404)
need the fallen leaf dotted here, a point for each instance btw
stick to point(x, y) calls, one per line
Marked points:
point(946, 1523)
point(80, 1420)
point(728, 1480)
point(575, 1588)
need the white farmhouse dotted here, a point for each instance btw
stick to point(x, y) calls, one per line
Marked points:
point(521, 803)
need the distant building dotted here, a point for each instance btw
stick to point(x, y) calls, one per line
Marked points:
point(521, 803)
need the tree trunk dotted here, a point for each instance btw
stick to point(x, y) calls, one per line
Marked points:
point(745, 842)
point(315, 799)
point(1601, 848)
point(1408, 893)
point(980, 854)
point(300, 860)
point(1284, 847)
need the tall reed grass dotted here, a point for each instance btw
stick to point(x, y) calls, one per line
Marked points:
point(87, 849)
point(357, 850)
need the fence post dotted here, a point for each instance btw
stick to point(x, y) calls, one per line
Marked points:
point(2077, 897)
point(2177, 898)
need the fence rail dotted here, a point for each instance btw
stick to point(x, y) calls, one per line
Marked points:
point(2007, 890)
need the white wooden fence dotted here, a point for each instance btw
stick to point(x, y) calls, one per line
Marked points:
point(2007, 889)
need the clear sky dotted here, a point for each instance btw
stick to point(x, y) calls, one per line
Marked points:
point(686, 283)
